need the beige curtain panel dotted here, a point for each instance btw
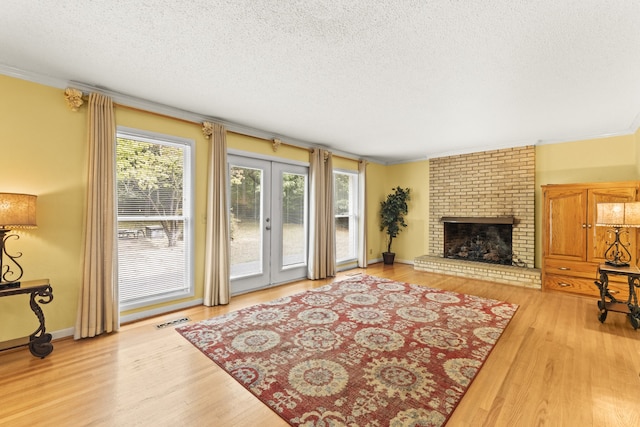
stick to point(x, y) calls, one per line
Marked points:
point(362, 210)
point(322, 234)
point(217, 262)
point(98, 310)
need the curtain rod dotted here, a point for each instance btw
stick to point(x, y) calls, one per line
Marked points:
point(160, 110)
point(275, 141)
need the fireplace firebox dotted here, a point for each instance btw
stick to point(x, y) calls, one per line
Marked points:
point(482, 239)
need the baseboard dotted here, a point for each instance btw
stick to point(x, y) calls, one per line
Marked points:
point(65, 333)
point(400, 261)
point(13, 343)
point(24, 341)
point(161, 310)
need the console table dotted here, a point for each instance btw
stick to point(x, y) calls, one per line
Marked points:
point(608, 302)
point(40, 292)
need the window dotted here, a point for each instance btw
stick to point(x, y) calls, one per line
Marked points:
point(155, 232)
point(345, 201)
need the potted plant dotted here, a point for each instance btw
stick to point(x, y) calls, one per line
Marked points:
point(392, 212)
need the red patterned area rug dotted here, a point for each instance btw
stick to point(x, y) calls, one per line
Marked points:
point(364, 351)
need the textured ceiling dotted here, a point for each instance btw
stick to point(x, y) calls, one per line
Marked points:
point(388, 80)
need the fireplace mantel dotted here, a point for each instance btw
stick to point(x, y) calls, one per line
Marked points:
point(478, 220)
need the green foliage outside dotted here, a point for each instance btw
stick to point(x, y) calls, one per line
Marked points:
point(246, 197)
point(341, 188)
point(150, 182)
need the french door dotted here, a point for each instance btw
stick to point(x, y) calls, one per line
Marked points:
point(269, 229)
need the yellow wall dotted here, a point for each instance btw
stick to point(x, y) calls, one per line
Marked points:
point(593, 160)
point(345, 164)
point(412, 240)
point(44, 154)
point(378, 185)
point(263, 147)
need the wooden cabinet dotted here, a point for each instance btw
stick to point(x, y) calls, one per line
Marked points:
point(572, 244)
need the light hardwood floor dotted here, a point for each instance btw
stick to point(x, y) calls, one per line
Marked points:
point(555, 365)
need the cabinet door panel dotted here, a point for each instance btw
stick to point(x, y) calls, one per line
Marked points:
point(566, 216)
point(597, 237)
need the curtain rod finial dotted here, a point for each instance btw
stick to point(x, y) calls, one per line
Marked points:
point(73, 97)
point(207, 129)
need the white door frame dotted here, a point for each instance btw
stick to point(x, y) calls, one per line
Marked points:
point(272, 271)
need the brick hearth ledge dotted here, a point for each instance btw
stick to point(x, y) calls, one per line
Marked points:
point(511, 275)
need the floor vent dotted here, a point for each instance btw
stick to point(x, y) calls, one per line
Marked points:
point(172, 322)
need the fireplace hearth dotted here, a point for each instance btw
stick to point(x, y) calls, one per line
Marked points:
point(482, 239)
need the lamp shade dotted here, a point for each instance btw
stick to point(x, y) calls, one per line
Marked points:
point(17, 210)
point(618, 214)
point(632, 214)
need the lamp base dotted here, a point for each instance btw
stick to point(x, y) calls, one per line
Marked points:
point(617, 263)
point(617, 254)
point(9, 285)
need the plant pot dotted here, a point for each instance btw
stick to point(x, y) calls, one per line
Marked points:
point(388, 257)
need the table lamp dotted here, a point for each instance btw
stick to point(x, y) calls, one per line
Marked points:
point(16, 211)
point(618, 216)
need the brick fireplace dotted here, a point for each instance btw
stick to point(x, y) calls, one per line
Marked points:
point(492, 185)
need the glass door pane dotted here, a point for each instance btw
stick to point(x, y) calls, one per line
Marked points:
point(246, 221)
point(345, 202)
point(294, 233)
point(289, 240)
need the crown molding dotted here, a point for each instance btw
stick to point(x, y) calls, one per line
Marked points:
point(33, 77)
point(488, 147)
point(585, 137)
point(491, 147)
point(401, 162)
